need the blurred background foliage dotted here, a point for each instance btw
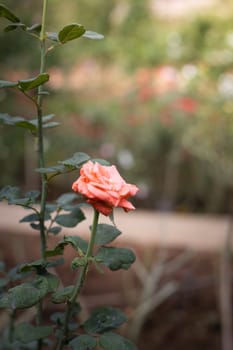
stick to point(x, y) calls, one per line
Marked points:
point(155, 97)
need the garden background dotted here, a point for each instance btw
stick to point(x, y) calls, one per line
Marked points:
point(154, 97)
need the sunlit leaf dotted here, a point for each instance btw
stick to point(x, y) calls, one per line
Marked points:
point(70, 32)
point(34, 28)
point(7, 84)
point(33, 83)
point(51, 125)
point(92, 35)
point(52, 36)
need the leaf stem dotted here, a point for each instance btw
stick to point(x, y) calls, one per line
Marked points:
point(79, 284)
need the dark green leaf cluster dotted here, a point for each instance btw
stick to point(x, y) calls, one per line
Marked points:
point(12, 195)
point(98, 328)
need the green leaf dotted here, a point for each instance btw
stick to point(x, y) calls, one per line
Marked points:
point(27, 124)
point(50, 125)
point(24, 295)
point(14, 26)
point(38, 265)
point(8, 14)
point(113, 341)
point(58, 250)
point(53, 281)
point(47, 118)
point(106, 233)
point(62, 295)
point(33, 83)
point(66, 165)
point(26, 333)
point(92, 35)
point(31, 125)
point(30, 218)
point(116, 258)
point(83, 342)
point(35, 226)
point(76, 160)
point(24, 202)
point(104, 319)
point(51, 208)
point(59, 169)
point(27, 200)
point(7, 84)
point(32, 195)
point(101, 161)
point(55, 230)
point(77, 243)
point(70, 32)
point(8, 120)
point(66, 198)
point(9, 192)
point(72, 219)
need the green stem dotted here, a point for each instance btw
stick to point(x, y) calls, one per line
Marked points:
point(41, 160)
point(40, 133)
point(79, 284)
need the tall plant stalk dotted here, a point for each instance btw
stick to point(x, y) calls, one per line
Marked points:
point(79, 284)
point(41, 160)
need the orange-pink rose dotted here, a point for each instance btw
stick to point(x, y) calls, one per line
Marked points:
point(104, 188)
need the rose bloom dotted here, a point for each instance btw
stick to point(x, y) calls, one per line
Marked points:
point(104, 188)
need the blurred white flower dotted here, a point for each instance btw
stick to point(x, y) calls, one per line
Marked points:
point(189, 71)
point(125, 159)
point(225, 85)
